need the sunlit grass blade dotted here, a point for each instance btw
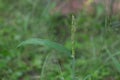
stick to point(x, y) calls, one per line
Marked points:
point(46, 43)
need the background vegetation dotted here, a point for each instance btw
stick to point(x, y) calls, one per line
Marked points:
point(97, 42)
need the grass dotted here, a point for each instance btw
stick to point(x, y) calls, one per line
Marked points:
point(96, 51)
point(58, 47)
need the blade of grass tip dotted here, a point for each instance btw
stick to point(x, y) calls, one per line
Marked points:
point(114, 60)
point(45, 13)
point(46, 43)
point(46, 62)
point(87, 77)
point(93, 47)
point(115, 54)
point(43, 67)
point(60, 70)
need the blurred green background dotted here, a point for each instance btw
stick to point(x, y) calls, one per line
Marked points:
point(97, 41)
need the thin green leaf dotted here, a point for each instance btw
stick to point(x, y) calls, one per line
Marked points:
point(114, 60)
point(47, 43)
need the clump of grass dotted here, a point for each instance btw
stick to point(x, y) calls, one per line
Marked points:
point(58, 46)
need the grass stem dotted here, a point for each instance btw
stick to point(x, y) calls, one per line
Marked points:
point(73, 30)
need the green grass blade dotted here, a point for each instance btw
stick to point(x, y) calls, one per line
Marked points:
point(46, 43)
point(114, 60)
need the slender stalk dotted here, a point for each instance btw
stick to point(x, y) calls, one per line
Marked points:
point(111, 10)
point(109, 13)
point(28, 17)
point(73, 30)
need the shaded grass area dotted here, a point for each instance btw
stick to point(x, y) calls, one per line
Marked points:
point(97, 49)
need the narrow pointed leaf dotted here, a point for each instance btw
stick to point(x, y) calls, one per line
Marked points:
point(46, 43)
point(114, 60)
